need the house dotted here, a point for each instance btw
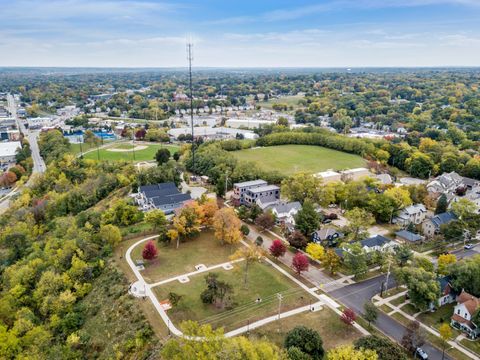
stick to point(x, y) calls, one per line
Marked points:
point(445, 183)
point(467, 306)
point(372, 244)
point(432, 226)
point(328, 235)
point(239, 189)
point(265, 193)
point(329, 176)
point(163, 196)
point(447, 293)
point(285, 212)
point(407, 236)
point(378, 243)
point(413, 214)
point(384, 179)
point(355, 174)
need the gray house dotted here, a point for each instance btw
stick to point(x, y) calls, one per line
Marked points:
point(163, 196)
point(432, 226)
point(240, 189)
point(266, 193)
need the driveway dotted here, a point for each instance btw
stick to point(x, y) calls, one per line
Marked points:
point(355, 295)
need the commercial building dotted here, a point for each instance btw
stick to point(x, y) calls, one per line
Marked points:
point(239, 189)
point(212, 133)
point(329, 176)
point(8, 150)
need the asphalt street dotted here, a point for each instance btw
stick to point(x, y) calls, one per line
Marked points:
point(355, 295)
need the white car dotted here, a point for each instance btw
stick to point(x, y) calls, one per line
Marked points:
point(469, 246)
point(421, 354)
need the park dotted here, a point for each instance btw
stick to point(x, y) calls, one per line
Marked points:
point(290, 159)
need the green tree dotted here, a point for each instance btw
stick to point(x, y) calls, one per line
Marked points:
point(301, 187)
point(403, 254)
point(307, 219)
point(423, 287)
point(370, 312)
point(110, 234)
point(307, 340)
point(442, 204)
point(464, 208)
point(157, 219)
point(355, 259)
point(420, 165)
point(162, 156)
point(385, 348)
point(358, 222)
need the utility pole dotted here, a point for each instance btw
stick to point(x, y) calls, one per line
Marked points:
point(133, 144)
point(388, 273)
point(226, 184)
point(280, 298)
point(190, 58)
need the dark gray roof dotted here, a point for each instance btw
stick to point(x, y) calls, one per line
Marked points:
point(377, 240)
point(170, 199)
point(160, 186)
point(325, 233)
point(443, 218)
point(409, 236)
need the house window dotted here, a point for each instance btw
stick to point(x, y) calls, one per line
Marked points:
point(458, 312)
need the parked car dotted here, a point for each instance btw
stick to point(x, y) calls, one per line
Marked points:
point(421, 354)
point(326, 221)
point(468, 246)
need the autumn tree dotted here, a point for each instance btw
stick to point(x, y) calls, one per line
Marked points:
point(265, 221)
point(157, 219)
point(297, 240)
point(277, 249)
point(348, 352)
point(444, 261)
point(331, 261)
point(348, 316)
point(110, 234)
point(413, 337)
point(446, 334)
point(185, 224)
point(300, 263)
point(250, 255)
point(227, 226)
point(316, 251)
point(149, 251)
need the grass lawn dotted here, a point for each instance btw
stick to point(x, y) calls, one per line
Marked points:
point(203, 249)
point(393, 291)
point(398, 301)
point(263, 282)
point(289, 159)
point(385, 308)
point(472, 345)
point(291, 100)
point(409, 309)
point(328, 324)
point(140, 155)
point(438, 317)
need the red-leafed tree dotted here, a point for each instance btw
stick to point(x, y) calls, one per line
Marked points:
point(300, 263)
point(140, 134)
point(348, 316)
point(277, 248)
point(150, 251)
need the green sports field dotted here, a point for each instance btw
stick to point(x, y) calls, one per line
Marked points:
point(140, 155)
point(290, 159)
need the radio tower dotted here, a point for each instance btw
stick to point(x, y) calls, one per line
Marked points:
point(190, 58)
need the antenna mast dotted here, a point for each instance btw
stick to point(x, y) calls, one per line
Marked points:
point(190, 58)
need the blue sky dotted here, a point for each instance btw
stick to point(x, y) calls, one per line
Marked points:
point(261, 33)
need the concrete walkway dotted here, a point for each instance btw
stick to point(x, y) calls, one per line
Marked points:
point(398, 309)
point(142, 288)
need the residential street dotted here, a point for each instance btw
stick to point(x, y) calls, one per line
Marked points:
point(355, 295)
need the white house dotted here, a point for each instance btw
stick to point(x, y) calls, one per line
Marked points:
point(413, 214)
point(285, 212)
point(445, 183)
point(467, 306)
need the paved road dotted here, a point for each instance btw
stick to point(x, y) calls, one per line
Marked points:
point(38, 163)
point(355, 295)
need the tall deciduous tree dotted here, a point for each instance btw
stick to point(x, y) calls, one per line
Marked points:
point(316, 251)
point(227, 226)
point(331, 261)
point(370, 312)
point(251, 255)
point(423, 287)
point(413, 337)
point(301, 187)
point(358, 222)
point(265, 221)
point(308, 341)
point(350, 353)
point(355, 259)
point(111, 234)
point(307, 219)
point(300, 263)
point(162, 156)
